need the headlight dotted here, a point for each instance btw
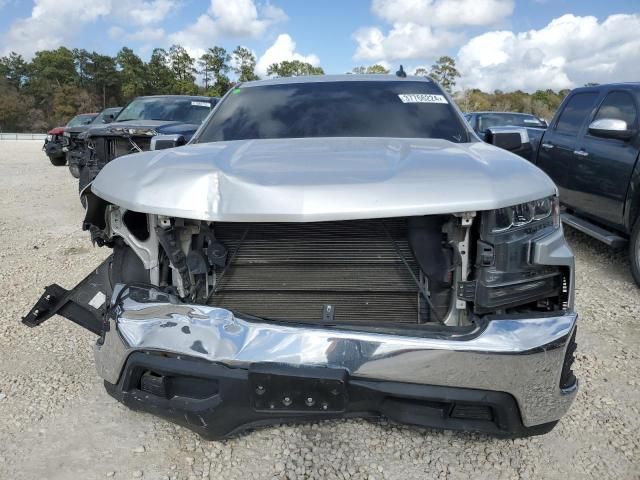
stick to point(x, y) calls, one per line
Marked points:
point(137, 131)
point(507, 275)
point(533, 213)
point(49, 137)
point(66, 134)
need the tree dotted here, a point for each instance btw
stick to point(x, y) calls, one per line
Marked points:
point(244, 64)
point(377, 68)
point(182, 66)
point(445, 73)
point(421, 72)
point(160, 78)
point(13, 69)
point(293, 68)
point(11, 106)
point(104, 78)
point(69, 100)
point(214, 64)
point(81, 59)
point(50, 68)
point(132, 73)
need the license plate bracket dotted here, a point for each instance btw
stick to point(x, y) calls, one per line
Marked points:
point(282, 388)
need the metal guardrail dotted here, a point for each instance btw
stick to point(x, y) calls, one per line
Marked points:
point(22, 136)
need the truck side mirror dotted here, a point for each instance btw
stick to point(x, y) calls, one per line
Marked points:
point(610, 128)
point(109, 118)
point(508, 138)
point(160, 142)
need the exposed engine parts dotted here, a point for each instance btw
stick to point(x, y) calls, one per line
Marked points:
point(429, 269)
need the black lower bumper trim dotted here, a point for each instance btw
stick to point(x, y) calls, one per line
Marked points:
point(217, 402)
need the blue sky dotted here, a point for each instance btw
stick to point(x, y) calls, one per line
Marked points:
point(504, 44)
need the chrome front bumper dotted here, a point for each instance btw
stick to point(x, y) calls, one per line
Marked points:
point(520, 356)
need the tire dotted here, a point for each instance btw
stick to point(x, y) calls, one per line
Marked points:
point(74, 170)
point(634, 252)
point(58, 161)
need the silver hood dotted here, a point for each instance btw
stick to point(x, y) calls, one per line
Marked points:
point(317, 179)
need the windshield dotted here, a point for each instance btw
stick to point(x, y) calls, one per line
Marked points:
point(102, 116)
point(84, 119)
point(488, 120)
point(183, 110)
point(404, 109)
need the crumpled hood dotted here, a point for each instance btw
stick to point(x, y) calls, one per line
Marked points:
point(317, 179)
point(165, 127)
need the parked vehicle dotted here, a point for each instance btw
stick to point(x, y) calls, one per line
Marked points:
point(484, 122)
point(591, 152)
point(53, 146)
point(53, 143)
point(327, 247)
point(73, 139)
point(134, 128)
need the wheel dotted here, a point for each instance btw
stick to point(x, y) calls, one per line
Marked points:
point(634, 252)
point(58, 161)
point(74, 170)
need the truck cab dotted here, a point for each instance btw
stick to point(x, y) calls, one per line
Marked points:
point(590, 151)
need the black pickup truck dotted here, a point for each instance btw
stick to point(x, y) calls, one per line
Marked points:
point(591, 150)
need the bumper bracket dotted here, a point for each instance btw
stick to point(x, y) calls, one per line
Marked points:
point(84, 305)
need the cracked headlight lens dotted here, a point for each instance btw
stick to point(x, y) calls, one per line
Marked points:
point(523, 214)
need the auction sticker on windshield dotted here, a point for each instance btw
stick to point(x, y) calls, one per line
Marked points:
point(201, 104)
point(421, 98)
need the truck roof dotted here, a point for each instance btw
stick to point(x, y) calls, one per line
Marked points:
point(609, 85)
point(349, 77)
point(192, 97)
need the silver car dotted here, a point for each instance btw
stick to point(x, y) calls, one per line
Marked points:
point(330, 247)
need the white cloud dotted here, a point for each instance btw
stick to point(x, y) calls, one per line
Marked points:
point(145, 12)
point(57, 22)
point(404, 41)
point(443, 13)
point(48, 25)
point(284, 48)
point(422, 29)
point(224, 18)
point(243, 18)
point(570, 51)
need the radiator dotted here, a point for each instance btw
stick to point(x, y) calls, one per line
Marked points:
point(292, 271)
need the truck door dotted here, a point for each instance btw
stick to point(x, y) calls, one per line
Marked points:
point(602, 166)
point(555, 155)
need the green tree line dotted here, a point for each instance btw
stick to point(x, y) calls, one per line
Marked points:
point(57, 84)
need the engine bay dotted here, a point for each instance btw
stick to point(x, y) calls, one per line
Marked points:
point(429, 270)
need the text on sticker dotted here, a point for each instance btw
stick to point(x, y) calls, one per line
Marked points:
point(421, 98)
point(201, 104)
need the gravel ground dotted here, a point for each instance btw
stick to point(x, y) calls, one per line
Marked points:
point(56, 421)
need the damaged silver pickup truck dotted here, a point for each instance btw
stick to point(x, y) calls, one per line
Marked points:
point(330, 247)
